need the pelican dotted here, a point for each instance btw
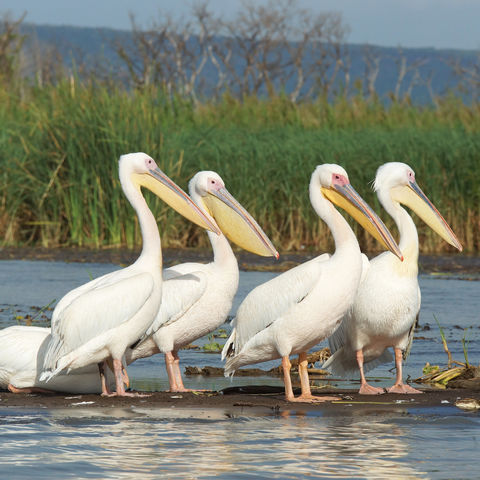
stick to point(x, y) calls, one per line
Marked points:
point(388, 299)
point(297, 309)
point(100, 319)
point(21, 363)
point(198, 297)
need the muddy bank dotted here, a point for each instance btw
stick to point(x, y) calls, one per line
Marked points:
point(245, 400)
point(456, 264)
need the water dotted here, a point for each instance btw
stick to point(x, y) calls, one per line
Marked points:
point(182, 443)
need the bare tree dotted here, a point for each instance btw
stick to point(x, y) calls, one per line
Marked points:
point(328, 49)
point(372, 60)
point(468, 74)
point(192, 47)
point(403, 69)
point(253, 43)
point(146, 56)
point(266, 48)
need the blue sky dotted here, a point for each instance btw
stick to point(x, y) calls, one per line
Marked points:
point(407, 23)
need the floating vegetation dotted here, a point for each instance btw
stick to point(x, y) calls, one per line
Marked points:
point(35, 315)
point(212, 346)
point(455, 374)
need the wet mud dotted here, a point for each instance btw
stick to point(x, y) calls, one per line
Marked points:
point(249, 399)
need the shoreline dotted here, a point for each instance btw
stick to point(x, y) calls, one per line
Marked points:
point(252, 400)
point(433, 264)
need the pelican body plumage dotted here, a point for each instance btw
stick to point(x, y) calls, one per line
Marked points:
point(197, 298)
point(21, 363)
point(297, 309)
point(100, 319)
point(388, 299)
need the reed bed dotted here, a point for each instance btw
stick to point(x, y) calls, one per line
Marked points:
point(59, 148)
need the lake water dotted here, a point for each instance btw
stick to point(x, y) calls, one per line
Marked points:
point(179, 443)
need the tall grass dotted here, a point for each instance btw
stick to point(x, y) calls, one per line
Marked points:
point(59, 148)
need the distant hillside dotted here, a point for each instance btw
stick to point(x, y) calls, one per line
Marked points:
point(433, 73)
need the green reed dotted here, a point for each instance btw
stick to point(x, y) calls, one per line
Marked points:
point(59, 148)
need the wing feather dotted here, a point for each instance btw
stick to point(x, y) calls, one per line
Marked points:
point(269, 301)
point(179, 294)
point(104, 306)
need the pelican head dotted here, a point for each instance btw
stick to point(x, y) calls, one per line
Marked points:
point(235, 222)
point(335, 187)
point(398, 180)
point(144, 172)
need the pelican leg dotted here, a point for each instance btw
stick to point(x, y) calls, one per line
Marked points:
point(399, 386)
point(178, 376)
point(108, 362)
point(365, 388)
point(119, 379)
point(286, 366)
point(177, 372)
point(306, 395)
point(101, 370)
point(172, 377)
point(126, 380)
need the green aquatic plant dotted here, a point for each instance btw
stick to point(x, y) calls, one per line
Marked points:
point(465, 346)
point(31, 319)
point(444, 342)
point(212, 346)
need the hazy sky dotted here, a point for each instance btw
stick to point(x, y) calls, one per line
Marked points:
point(409, 23)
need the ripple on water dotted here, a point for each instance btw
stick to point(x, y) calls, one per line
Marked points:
point(151, 443)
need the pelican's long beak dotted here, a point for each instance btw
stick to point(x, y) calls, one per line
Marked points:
point(237, 224)
point(166, 189)
point(347, 198)
point(412, 196)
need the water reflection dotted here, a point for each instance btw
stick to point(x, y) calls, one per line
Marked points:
point(197, 444)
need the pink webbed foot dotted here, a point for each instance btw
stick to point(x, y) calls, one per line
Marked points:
point(402, 388)
point(367, 389)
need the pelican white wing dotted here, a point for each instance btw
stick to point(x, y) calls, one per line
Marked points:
point(271, 300)
point(96, 311)
point(179, 294)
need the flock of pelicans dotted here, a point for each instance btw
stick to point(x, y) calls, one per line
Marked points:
point(363, 307)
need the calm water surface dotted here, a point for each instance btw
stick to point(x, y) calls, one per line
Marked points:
point(173, 443)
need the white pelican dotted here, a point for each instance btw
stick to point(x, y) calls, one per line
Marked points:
point(100, 319)
point(198, 297)
point(388, 299)
point(297, 309)
point(21, 363)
